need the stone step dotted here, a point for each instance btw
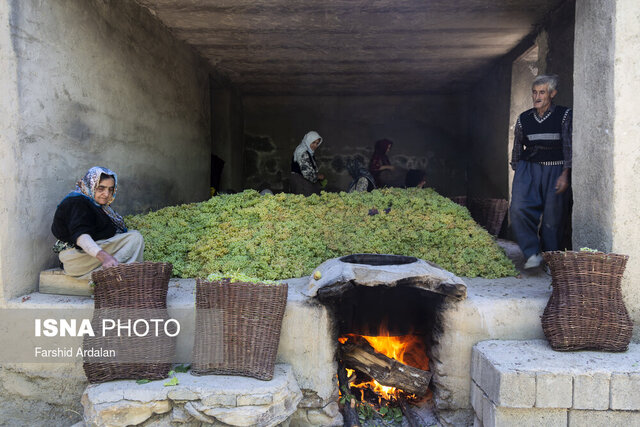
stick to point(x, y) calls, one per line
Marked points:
point(54, 281)
point(207, 399)
point(527, 383)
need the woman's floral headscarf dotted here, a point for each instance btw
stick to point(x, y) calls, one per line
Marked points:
point(305, 146)
point(87, 186)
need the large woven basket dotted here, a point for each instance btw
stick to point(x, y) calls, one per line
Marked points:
point(489, 213)
point(586, 310)
point(130, 292)
point(237, 328)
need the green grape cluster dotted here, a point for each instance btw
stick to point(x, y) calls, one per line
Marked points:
point(281, 236)
point(238, 277)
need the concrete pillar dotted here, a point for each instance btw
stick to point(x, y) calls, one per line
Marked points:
point(606, 165)
point(9, 125)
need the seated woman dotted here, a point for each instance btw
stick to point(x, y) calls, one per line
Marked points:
point(362, 179)
point(304, 170)
point(380, 162)
point(90, 233)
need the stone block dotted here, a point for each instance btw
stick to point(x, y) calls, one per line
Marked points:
point(255, 399)
point(522, 417)
point(299, 418)
point(307, 342)
point(182, 394)
point(477, 396)
point(195, 413)
point(257, 415)
point(220, 399)
point(591, 391)
point(578, 418)
point(554, 390)
point(318, 417)
point(310, 399)
point(507, 388)
point(221, 395)
point(122, 413)
point(585, 380)
point(625, 391)
point(504, 384)
point(240, 416)
point(54, 281)
point(180, 416)
point(161, 407)
point(332, 409)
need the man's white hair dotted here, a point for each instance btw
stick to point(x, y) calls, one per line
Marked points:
point(546, 79)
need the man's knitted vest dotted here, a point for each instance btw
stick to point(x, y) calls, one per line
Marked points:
point(543, 138)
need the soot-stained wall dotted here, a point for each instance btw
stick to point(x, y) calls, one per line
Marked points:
point(428, 133)
point(92, 83)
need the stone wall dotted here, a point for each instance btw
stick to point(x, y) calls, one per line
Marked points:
point(428, 133)
point(85, 83)
point(606, 159)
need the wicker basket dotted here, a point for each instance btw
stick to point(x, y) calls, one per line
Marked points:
point(489, 213)
point(130, 292)
point(237, 328)
point(586, 310)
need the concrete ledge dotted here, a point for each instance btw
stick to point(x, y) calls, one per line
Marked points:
point(506, 309)
point(54, 281)
point(211, 399)
point(307, 342)
point(528, 383)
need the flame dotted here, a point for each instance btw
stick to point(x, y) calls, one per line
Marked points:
point(407, 349)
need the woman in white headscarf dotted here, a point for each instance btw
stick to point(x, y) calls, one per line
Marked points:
point(90, 233)
point(304, 169)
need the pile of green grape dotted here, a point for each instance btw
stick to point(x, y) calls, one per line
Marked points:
point(281, 236)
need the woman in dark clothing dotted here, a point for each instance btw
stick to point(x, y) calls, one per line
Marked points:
point(379, 161)
point(90, 233)
point(362, 179)
point(304, 169)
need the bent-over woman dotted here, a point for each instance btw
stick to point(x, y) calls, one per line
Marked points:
point(362, 180)
point(90, 233)
point(304, 170)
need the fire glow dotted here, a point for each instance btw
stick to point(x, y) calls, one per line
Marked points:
point(408, 349)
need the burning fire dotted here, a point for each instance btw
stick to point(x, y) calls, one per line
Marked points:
point(408, 349)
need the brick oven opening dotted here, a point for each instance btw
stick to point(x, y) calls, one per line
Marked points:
point(385, 334)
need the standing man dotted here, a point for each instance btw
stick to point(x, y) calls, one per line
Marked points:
point(541, 159)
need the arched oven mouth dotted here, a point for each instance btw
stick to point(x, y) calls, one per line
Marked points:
point(378, 259)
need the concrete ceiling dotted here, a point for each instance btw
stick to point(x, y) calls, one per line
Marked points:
point(351, 46)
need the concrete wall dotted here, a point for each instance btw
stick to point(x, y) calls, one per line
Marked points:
point(88, 83)
point(227, 140)
point(493, 107)
point(428, 133)
point(606, 172)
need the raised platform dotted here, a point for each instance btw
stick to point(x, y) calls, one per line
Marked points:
point(54, 281)
point(208, 399)
point(526, 383)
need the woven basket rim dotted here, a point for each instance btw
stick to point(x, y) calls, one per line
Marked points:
point(202, 281)
point(585, 254)
point(103, 273)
